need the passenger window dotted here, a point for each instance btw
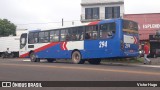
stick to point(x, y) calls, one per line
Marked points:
point(31, 38)
point(44, 37)
point(91, 32)
point(107, 30)
point(41, 37)
point(77, 34)
point(64, 35)
point(74, 34)
point(54, 36)
point(35, 37)
point(80, 33)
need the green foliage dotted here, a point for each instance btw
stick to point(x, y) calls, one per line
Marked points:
point(7, 28)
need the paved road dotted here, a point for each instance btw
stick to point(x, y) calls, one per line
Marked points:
point(22, 70)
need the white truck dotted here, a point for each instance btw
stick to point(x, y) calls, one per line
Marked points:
point(11, 43)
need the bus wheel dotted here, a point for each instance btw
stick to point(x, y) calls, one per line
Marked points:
point(94, 61)
point(33, 57)
point(50, 60)
point(77, 58)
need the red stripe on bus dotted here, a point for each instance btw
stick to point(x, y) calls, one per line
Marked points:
point(61, 45)
point(65, 46)
point(93, 23)
point(40, 49)
point(46, 46)
point(135, 40)
point(24, 55)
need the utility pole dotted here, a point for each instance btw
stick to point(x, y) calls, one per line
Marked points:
point(72, 22)
point(62, 22)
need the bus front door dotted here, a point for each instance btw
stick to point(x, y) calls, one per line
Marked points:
point(23, 45)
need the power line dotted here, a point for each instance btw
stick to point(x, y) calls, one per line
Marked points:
point(47, 22)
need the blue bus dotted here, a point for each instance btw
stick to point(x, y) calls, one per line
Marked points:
point(114, 38)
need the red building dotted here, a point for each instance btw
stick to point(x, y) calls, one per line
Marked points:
point(148, 24)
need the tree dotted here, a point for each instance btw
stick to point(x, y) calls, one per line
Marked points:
point(7, 28)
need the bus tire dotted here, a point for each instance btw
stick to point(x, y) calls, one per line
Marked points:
point(50, 60)
point(33, 57)
point(94, 61)
point(77, 58)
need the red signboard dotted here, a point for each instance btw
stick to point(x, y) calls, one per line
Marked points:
point(148, 23)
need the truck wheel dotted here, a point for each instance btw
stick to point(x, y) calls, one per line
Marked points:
point(51, 60)
point(94, 61)
point(33, 57)
point(77, 58)
point(3, 55)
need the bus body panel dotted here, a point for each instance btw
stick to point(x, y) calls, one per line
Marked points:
point(99, 48)
point(131, 47)
point(130, 40)
point(92, 49)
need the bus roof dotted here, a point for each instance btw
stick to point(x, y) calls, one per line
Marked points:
point(34, 31)
point(82, 24)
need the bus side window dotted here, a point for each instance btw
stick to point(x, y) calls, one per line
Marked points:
point(112, 29)
point(80, 33)
point(91, 32)
point(87, 36)
point(41, 37)
point(51, 36)
point(103, 34)
point(31, 38)
point(54, 36)
point(81, 36)
point(64, 33)
point(46, 37)
point(67, 37)
point(107, 30)
point(36, 37)
point(74, 34)
point(94, 36)
point(74, 37)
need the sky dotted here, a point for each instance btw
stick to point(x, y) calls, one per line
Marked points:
point(23, 12)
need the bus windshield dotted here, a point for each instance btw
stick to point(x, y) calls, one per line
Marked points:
point(130, 27)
